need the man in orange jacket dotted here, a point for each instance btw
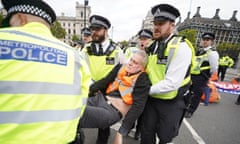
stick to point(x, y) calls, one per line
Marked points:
point(122, 93)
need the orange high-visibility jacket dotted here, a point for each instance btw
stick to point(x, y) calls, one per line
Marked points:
point(124, 84)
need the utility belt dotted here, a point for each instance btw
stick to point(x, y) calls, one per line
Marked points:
point(183, 92)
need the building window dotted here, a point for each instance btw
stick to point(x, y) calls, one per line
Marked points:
point(81, 14)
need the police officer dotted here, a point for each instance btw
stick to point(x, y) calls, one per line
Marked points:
point(170, 58)
point(43, 81)
point(86, 33)
point(207, 65)
point(102, 55)
point(224, 62)
point(144, 38)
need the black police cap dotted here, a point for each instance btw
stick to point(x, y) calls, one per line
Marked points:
point(86, 31)
point(99, 21)
point(34, 7)
point(145, 33)
point(208, 35)
point(164, 12)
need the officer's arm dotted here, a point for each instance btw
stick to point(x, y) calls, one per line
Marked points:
point(231, 62)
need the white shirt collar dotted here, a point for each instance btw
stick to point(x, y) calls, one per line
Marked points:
point(207, 48)
point(105, 44)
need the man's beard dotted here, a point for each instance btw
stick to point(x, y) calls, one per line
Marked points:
point(98, 39)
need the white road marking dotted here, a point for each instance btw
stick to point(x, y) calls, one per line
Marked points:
point(193, 132)
point(188, 125)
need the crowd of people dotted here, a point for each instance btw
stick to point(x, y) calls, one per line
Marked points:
point(51, 91)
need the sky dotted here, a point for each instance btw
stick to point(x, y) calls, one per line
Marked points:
point(126, 16)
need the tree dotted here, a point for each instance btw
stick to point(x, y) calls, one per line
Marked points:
point(57, 30)
point(230, 49)
point(124, 43)
point(191, 35)
point(1, 18)
point(75, 38)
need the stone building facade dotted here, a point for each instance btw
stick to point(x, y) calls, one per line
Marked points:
point(73, 25)
point(225, 30)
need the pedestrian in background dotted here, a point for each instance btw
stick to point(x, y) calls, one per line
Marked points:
point(206, 67)
point(225, 62)
point(43, 82)
point(170, 58)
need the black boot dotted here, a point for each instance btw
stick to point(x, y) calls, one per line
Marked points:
point(103, 135)
point(238, 100)
point(79, 139)
point(137, 135)
point(188, 114)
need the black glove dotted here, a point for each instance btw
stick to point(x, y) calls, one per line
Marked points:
point(93, 90)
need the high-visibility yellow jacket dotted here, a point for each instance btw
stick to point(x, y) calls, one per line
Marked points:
point(202, 63)
point(157, 72)
point(43, 87)
point(101, 65)
point(226, 61)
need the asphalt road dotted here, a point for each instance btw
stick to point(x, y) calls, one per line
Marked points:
point(217, 123)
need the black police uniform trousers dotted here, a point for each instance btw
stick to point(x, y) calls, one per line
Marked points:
point(221, 72)
point(162, 117)
point(100, 114)
point(199, 82)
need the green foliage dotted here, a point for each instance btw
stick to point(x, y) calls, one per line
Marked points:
point(124, 43)
point(191, 35)
point(75, 38)
point(1, 18)
point(57, 30)
point(230, 49)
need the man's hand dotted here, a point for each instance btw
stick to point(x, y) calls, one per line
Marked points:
point(118, 139)
point(92, 94)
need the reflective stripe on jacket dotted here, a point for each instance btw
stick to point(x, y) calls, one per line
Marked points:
point(100, 66)
point(40, 87)
point(124, 84)
point(199, 60)
point(157, 71)
point(226, 61)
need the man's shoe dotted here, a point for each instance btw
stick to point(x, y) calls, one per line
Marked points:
point(237, 103)
point(188, 115)
point(137, 135)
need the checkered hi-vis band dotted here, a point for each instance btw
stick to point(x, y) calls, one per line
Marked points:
point(31, 10)
point(160, 13)
point(95, 21)
point(143, 33)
